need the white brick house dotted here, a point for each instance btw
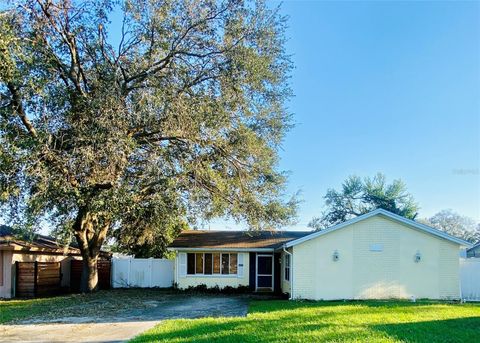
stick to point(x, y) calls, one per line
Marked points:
point(376, 255)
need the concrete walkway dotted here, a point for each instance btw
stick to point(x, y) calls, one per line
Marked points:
point(122, 326)
point(86, 332)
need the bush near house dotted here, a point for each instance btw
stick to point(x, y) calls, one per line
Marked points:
point(366, 321)
point(203, 288)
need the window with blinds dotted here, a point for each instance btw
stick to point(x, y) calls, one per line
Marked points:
point(212, 263)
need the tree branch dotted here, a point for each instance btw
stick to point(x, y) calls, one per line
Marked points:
point(69, 39)
point(18, 108)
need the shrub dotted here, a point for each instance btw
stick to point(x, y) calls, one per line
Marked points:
point(203, 288)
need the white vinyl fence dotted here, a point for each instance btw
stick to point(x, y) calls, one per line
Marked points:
point(470, 278)
point(141, 272)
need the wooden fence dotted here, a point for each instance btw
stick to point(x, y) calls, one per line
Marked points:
point(76, 268)
point(37, 278)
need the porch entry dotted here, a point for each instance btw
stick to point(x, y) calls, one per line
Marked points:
point(264, 272)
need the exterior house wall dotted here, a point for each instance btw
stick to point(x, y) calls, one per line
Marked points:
point(213, 280)
point(10, 257)
point(316, 275)
point(6, 270)
point(363, 273)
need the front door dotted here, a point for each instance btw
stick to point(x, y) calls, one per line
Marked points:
point(264, 272)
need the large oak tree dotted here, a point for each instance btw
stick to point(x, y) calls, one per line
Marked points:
point(170, 114)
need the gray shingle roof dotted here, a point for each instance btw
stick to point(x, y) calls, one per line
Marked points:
point(215, 239)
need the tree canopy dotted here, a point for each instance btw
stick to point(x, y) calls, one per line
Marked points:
point(132, 131)
point(358, 196)
point(455, 224)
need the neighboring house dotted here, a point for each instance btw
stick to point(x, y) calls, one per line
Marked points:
point(474, 251)
point(376, 255)
point(40, 249)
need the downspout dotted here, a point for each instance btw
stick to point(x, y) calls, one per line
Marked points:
point(177, 267)
point(291, 271)
point(460, 279)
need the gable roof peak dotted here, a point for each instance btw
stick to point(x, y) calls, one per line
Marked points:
point(390, 215)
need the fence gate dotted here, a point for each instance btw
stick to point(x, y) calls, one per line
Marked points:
point(470, 278)
point(34, 279)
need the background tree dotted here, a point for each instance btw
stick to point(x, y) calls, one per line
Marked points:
point(455, 225)
point(359, 196)
point(180, 120)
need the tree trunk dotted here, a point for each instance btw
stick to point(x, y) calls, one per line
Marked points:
point(89, 280)
point(90, 237)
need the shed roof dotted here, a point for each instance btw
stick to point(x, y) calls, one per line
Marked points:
point(215, 239)
point(475, 246)
point(39, 243)
point(8, 236)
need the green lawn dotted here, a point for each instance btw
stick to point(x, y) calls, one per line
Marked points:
point(11, 310)
point(287, 321)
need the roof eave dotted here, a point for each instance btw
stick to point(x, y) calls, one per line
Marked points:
point(221, 249)
point(474, 246)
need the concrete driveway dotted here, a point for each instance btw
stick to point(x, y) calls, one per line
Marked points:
point(123, 326)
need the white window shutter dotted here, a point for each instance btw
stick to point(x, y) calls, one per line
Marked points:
point(182, 265)
point(240, 265)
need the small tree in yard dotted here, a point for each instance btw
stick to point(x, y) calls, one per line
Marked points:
point(359, 196)
point(178, 121)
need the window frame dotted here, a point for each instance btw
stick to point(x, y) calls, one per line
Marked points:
point(202, 263)
point(213, 274)
point(214, 255)
point(205, 264)
point(225, 262)
point(190, 266)
point(287, 268)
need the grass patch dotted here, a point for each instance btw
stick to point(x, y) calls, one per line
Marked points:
point(369, 321)
point(99, 304)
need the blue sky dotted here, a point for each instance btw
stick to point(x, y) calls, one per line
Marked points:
point(381, 86)
point(390, 87)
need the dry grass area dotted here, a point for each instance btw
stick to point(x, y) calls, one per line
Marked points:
point(99, 304)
